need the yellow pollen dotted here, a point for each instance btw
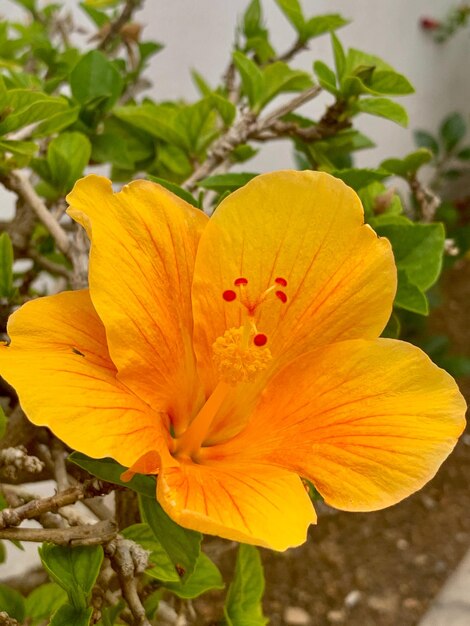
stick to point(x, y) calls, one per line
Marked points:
point(237, 358)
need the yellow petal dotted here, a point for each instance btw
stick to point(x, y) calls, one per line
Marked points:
point(369, 422)
point(244, 502)
point(60, 367)
point(306, 228)
point(144, 242)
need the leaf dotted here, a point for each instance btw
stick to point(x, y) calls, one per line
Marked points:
point(74, 569)
point(464, 154)
point(426, 140)
point(27, 106)
point(393, 327)
point(326, 76)
point(6, 266)
point(206, 576)
point(390, 83)
point(383, 107)
point(252, 19)
point(111, 471)
point(293, 12)
point(3, 425)
point(226, 182)
point(409, 165)
point(226, 109)
point(67, 156)
point(181, 545)
point(157, 120)
point(68, 615)
point(359, 178)
point(56, 122)
point(43, 601)
point(410, 296)
point(321, 24)
point(26, 148)
point(339, 55)
point(251, 77)
point(452, 130)
point(96, 77)
point(12, 602)
point(176, 189)
point(163, 567)
point(243, 604)
point(279, 78)
point(203, 86)
point(196, 125)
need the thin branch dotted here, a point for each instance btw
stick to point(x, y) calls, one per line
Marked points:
point(289, 54)
point(427, 200)
point(248, 126)
point(116, 26)
point(17, 182)
point(48, 265)
point(85, 535)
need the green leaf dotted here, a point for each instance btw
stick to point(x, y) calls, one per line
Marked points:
point(27, 106)
point(196, 124)
point(383, 107)
point(452, 130)
point(390, 83)
point(243, 605)
point(3, 425)
point(181, 545)
point(418, 249)
point(279, 78)
point(321, 24)
point(74, 569)
point(339, 55)
point(163, 567)
point(3, 552)
point(359, 178)
point(26, 148)
point(326, 76)
point(409, 165)
point(43, 601)
point(176, 189)
point(409, 296)
point(226, 182)
point(96, 77)
point(226, 109)
point(252, 19)
point(393, 328)
point(426, 140)
point(203, 86)
point(12, 602)
point(111, 471)
point(6, 266)
point(464, 154)
point(68, 615)
point(293, 12)
point(67, 156)
point(206, 576)
point(251, 77)
point(56, 122)
point(158, 121)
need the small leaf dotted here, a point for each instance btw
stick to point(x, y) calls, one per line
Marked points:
point(12, 602)
point(181, 545)
point(226, 182)
point(426, 140)
point(293, 11)
point(6, 266)
point(339, 55)
point(393, 327)
point(409, 165)
point(163, 567)
point(226, 109)
point(452, 130)
point(409, 296)
point(74, 569)
point(321, 24)
point(206, 576)
point(95, 77)
point(111, 471)
point(243, 605)
point(383, 107)
point(326, 76)
point(279, 78)
point(464, 154)
point(43, 601)
point(176, 189)
point(252, 19)
point(250, 75)
point(68, 615)
point(67, 156)
point(26, 148)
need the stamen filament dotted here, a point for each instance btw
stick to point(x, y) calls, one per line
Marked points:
point(191, 440)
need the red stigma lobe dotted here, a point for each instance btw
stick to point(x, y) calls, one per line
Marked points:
point(281, 281)
point(240, 281)
point(229, 295)
point(282, 296)
point(260, 339)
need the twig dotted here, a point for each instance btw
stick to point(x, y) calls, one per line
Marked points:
point(128, 559)
point(85, 535)
point(289, 54)
point(34, 508)
point(6, 620)
point(47, 264)
point(247, 126)
point(115, 27)
point(17, 182)
point(427, 200)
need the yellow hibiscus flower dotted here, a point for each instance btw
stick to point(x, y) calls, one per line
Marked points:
point(235, 355)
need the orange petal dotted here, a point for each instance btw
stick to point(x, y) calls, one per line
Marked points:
point(369, 422)
point(244, 502)
point(59, 364)
point(306, 228)
point(144, 242)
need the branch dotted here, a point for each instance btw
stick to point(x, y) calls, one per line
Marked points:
point(17, 182)
point(128, 559)
point(116, 26)
point(247, 127)
point(426, 199)
point(85, 535)
point(15, 460)
point(35, 508)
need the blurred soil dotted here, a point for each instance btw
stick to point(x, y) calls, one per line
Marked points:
point(382, 568)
